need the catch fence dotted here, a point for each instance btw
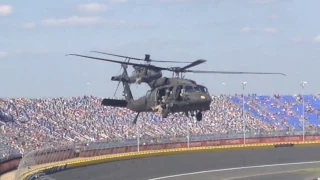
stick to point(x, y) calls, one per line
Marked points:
point(81, 150)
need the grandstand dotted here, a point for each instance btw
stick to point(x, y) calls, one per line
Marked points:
point(28, 124)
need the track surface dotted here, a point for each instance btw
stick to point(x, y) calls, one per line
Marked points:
point(153, 167)
point(281, 171)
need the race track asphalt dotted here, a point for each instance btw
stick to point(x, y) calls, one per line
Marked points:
point(153, 167)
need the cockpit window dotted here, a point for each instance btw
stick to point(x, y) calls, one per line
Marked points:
point(201, 89)
point(148, 93)
point(188, 89)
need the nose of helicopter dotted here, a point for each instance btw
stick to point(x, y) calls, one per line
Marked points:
point(202, 99)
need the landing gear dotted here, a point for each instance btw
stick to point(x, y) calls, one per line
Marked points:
point(165, 113)
point(199, 116)
point(196, 114)
point(186, 113)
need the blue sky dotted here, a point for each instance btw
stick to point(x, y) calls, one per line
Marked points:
point(234, 35)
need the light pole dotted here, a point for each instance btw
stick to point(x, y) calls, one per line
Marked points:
point(223, 84)
point(138, 136)
point(188, 134)
point(88, 88)
point(243, 118)
point(223, 110)
point(303, 84)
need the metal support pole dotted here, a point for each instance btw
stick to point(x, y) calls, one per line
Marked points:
point(303, 123)
point(188, 135)
point(223, 110)
point(243, 118)
point(224, 118)
point(303, 131)
point(138, 137)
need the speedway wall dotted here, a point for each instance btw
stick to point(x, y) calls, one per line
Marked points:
point(33, 161)
point(9, 163)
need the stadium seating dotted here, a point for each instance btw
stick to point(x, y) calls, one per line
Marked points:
point(36, 123)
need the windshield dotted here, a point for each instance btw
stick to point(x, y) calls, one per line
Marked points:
point(188, 89)
point(201, 89)
point(148, 93)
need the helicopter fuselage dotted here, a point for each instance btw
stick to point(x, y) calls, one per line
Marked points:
point(189, 102)
point(181, 97)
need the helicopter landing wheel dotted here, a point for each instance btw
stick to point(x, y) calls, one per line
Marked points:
point(186, 113)
point(193, 113)
point(199, 116)
point(165, 113)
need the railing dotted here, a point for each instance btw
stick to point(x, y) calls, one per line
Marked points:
point(90, 149)
point(9, 163)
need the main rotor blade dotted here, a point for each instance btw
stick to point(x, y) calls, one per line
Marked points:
point(195, 63)
point(232, 72)
point(121, 62)
point(170, 61)
point(118, 55)
point(138, 59)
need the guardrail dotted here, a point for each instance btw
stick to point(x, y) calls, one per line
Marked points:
point(10, 163)
point(33, 159)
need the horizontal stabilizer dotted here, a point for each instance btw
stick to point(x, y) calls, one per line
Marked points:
point(114, 102)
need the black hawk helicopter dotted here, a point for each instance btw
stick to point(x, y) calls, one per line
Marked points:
point(167, 95)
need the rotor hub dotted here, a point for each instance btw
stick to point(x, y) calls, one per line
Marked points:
point(147, 57)
point(175, 69)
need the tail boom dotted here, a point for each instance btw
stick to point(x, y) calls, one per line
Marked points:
point(114, 103)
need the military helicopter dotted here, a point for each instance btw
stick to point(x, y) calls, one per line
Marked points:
point(169, 96)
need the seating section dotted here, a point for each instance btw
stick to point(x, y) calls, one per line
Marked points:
point(286, 111)
point(28, 124)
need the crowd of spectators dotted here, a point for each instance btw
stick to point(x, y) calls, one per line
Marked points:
point(28, 124)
